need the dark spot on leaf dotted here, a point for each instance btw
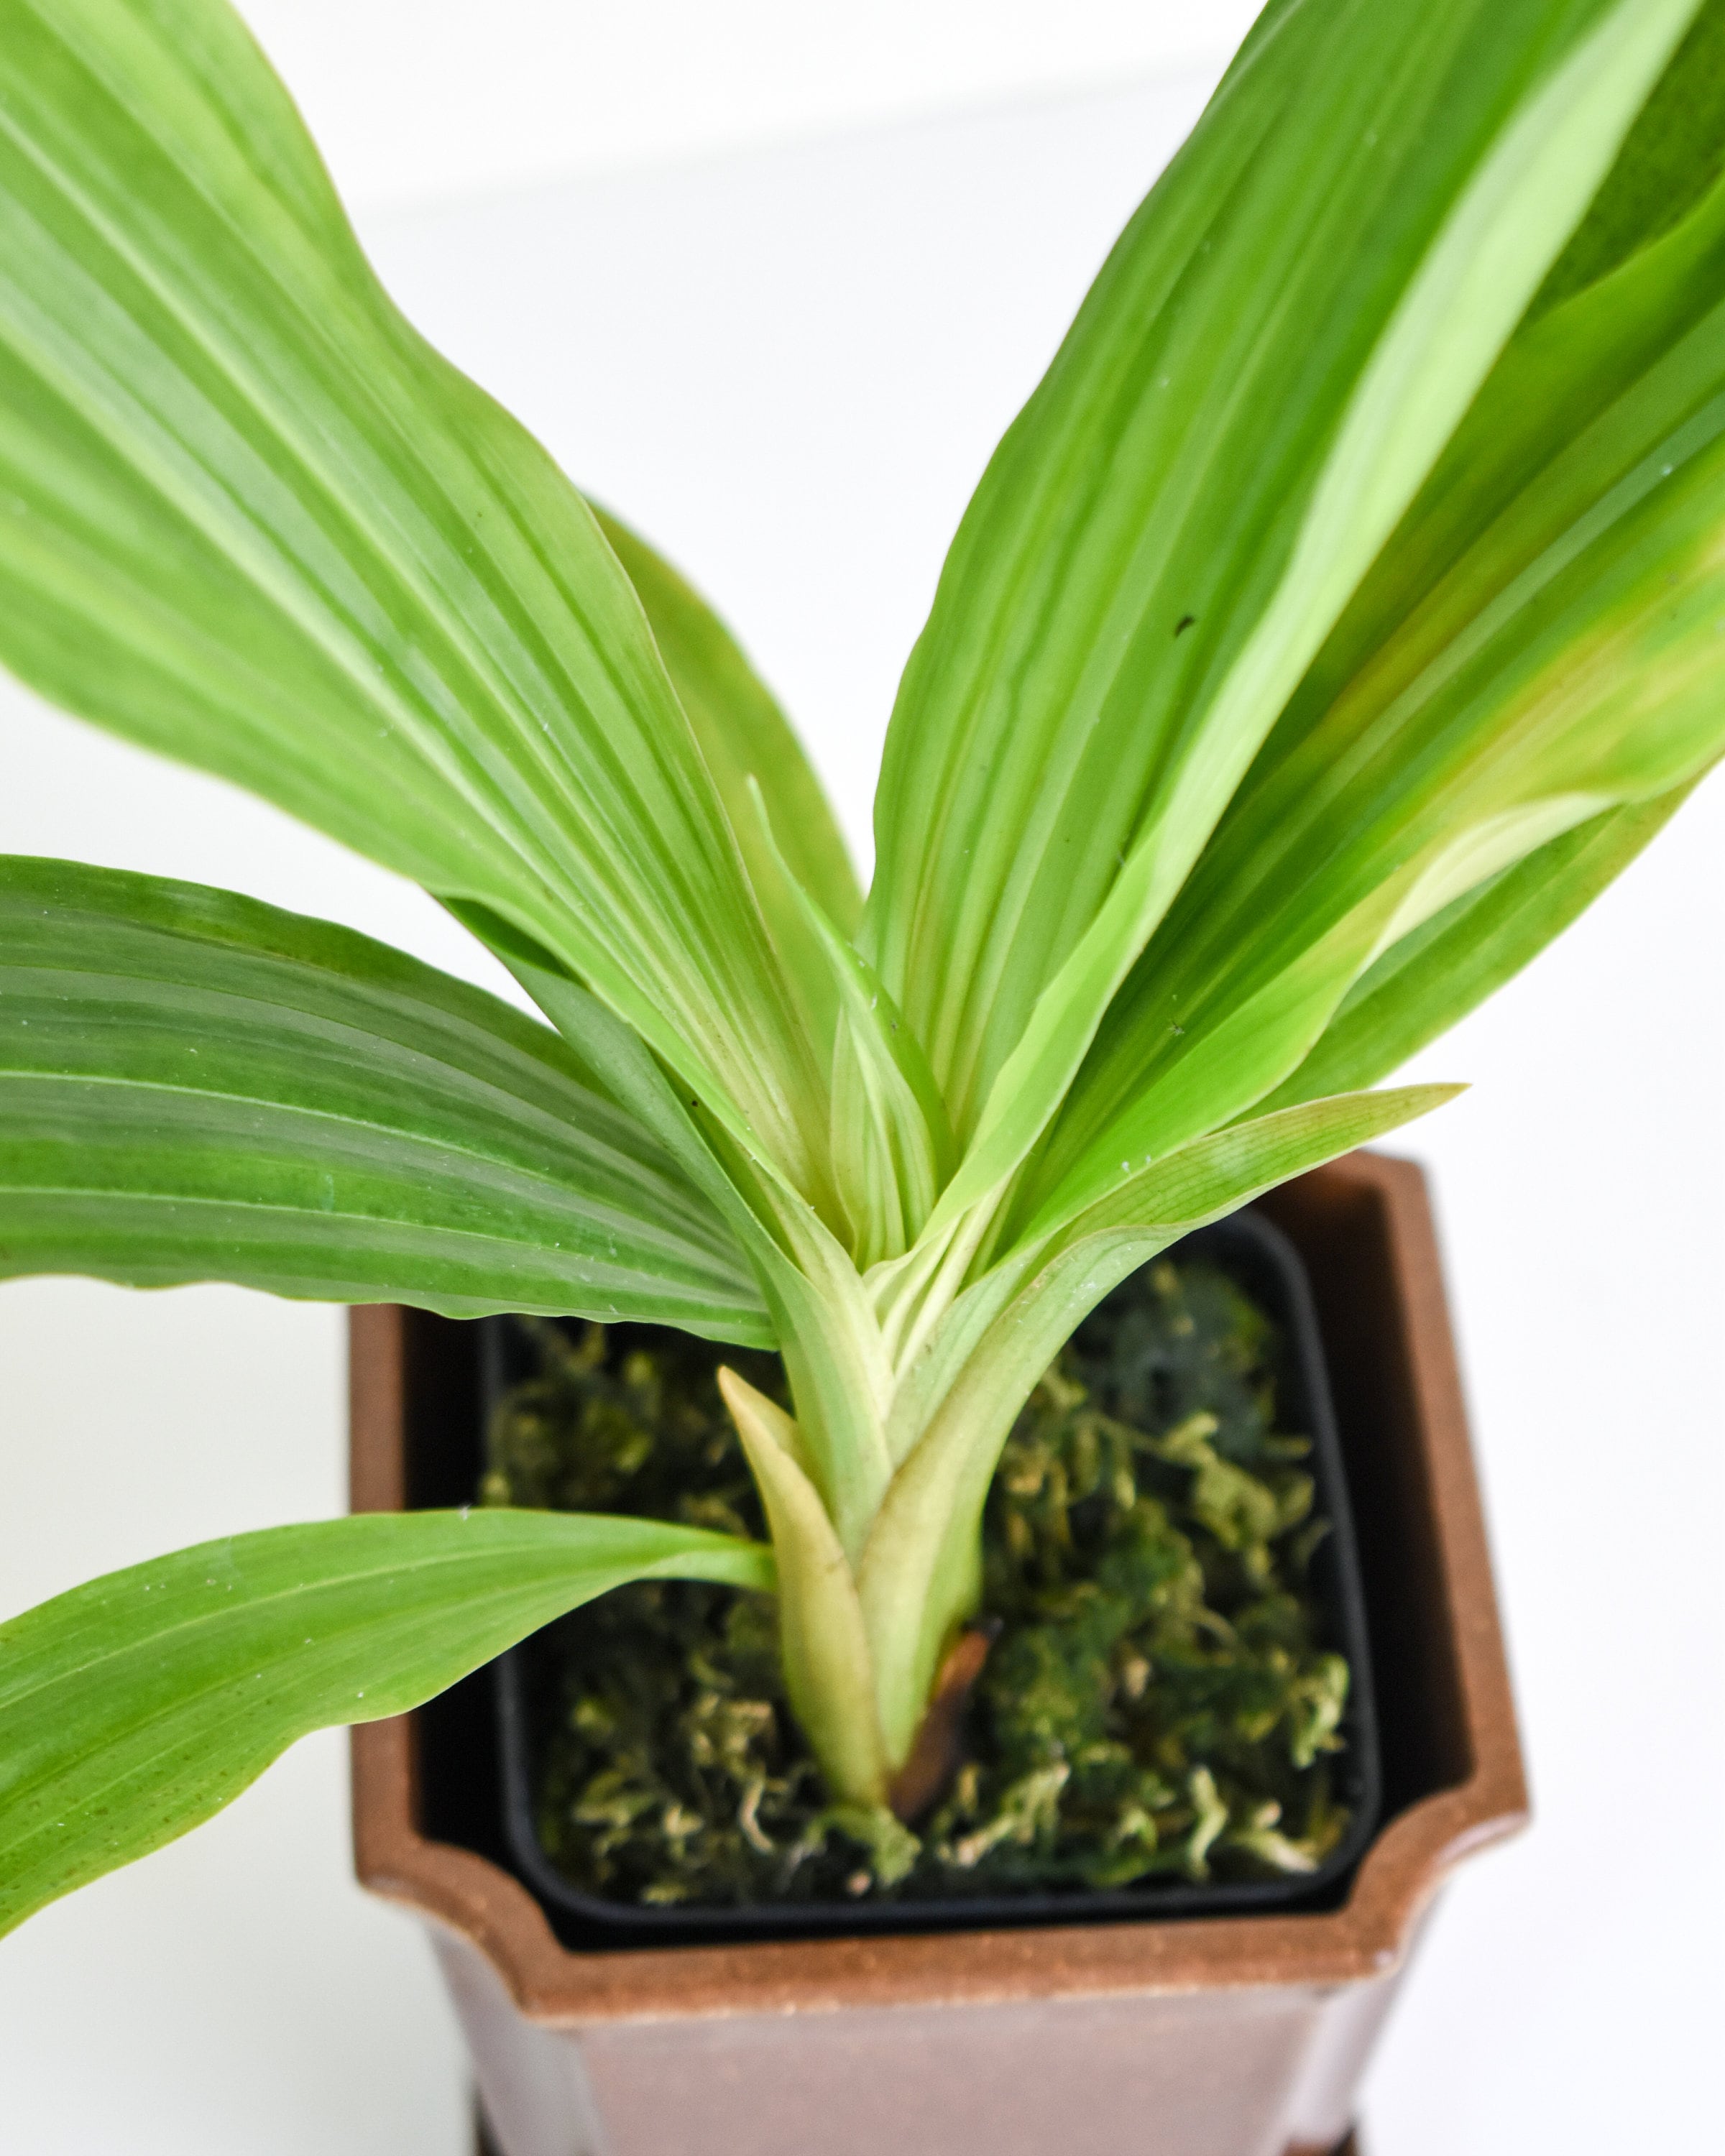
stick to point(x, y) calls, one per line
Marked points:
point(1184, 624)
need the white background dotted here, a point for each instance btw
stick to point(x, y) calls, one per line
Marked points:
point(786, 363)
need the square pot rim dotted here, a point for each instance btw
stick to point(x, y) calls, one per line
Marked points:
point(1365, 1937)
point(585, 1918)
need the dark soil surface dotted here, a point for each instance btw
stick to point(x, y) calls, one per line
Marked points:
point(1159, 1700)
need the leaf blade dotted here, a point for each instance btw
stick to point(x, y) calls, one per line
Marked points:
point(260, 526)
point(138, 1705)
point(1426, 984)
point(193, 1085)
point(1536, 646)
point(1062, 747)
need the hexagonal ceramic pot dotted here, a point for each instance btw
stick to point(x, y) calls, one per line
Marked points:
point(1242, 2035)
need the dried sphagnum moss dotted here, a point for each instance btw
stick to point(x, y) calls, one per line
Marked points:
point(1157, 1700)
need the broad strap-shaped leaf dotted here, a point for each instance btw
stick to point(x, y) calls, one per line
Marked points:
point(1266, 369)
point(136, 1707)
point(1674, 154)
point(1537, 645)
point(1426, 982)
point(195, 1086)
point(918, 1573)
point(251, 521)
point(743, 734)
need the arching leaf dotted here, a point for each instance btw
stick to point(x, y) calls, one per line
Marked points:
point(253, 521)
point(1262, 377)
point(140, 1704)
point(1536, 647)
point(195, 1086)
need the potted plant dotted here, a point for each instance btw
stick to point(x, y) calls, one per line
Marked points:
point(1337, 618)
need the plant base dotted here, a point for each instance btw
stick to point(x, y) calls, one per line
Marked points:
point(1238, 2036)
point(1175, 1714)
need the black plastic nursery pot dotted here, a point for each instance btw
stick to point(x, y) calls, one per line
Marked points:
point(1258, 1258)
point(1240, 2028)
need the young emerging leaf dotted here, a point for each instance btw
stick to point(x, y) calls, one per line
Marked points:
point(1262, 377)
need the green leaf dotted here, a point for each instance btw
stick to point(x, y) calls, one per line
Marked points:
point(1425, 983)
point(1538, 645)
point(1265, 370)
point(1675, 152)
point(195, 1086)
point(1225, 1170)
point(918, 1576)
point(251, 521)
point(743, 734)
point(890, 1145)
point(137, 1706)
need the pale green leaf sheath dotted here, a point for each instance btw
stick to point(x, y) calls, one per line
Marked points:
point(920, 1572)
point(194, 1086)
point(136, 1706)
point(827, 1666)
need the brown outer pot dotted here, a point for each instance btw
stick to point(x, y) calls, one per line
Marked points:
point(1241, 2036)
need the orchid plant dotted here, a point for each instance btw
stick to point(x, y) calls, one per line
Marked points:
point(1344, 609)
